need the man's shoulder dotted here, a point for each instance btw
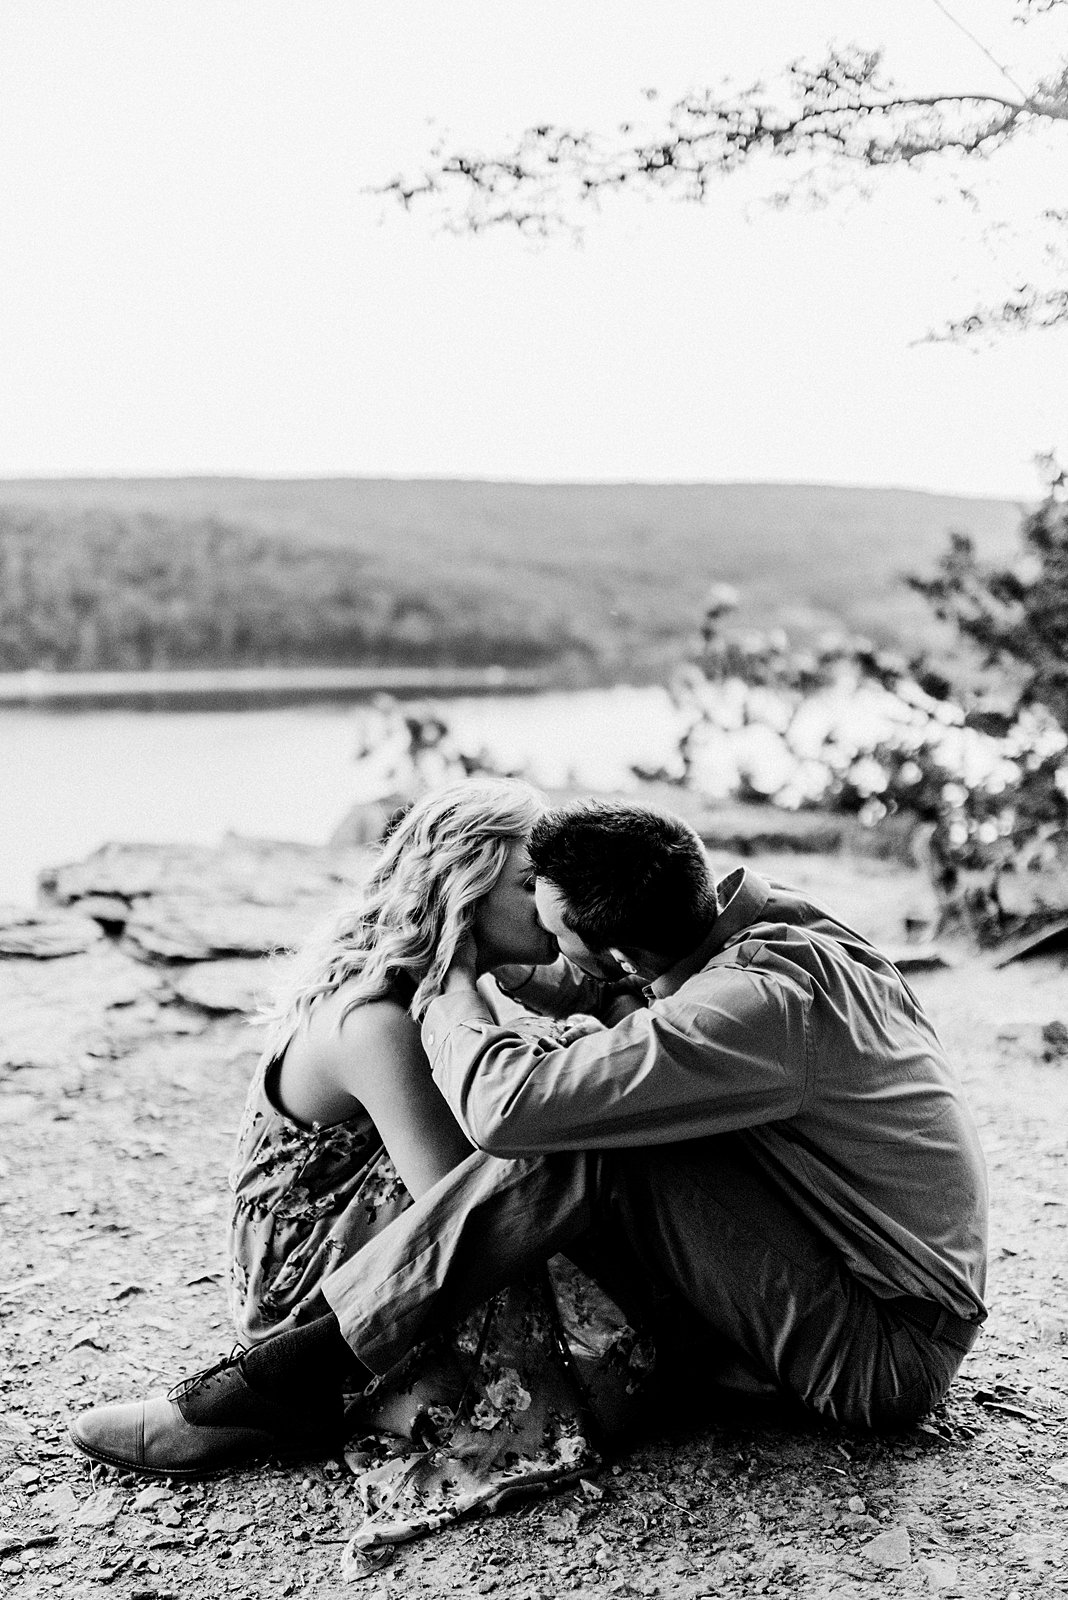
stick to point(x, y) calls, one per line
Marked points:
point(794, 935)
point(792, 915)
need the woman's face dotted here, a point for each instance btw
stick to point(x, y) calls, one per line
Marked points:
point(506, 924)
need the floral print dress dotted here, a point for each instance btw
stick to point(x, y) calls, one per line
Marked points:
point(303, 1199)
point(507, 1403)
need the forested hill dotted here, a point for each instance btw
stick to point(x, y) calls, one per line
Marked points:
point(589, 581)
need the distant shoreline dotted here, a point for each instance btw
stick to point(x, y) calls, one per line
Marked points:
point(90, 480)
point(578, 586)
point(233, 688)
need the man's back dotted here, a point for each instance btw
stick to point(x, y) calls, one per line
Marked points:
point(881, 1151)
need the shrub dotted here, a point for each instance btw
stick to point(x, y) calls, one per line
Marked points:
point(976, 757)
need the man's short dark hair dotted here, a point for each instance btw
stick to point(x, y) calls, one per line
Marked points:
point(630, 877)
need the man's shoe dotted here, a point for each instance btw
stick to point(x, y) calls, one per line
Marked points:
point(207, 1423)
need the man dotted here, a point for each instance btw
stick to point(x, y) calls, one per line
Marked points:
point(773, 1144)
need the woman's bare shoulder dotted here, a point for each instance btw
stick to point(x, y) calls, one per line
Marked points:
point(336, 1055)
point(337, 1028)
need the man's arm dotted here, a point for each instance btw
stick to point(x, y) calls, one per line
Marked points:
point(728, 1051)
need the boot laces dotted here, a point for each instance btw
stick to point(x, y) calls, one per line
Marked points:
point(195, 1380)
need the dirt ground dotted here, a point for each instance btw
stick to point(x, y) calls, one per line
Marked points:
point(112, 1174)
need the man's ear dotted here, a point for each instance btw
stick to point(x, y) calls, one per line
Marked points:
point(645, 965)
point(624, 960)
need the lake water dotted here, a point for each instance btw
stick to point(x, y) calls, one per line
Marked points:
point(75, 780)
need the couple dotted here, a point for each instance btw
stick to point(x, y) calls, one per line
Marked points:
point(754, 1133)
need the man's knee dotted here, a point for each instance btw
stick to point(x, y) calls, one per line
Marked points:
point(894, 1400)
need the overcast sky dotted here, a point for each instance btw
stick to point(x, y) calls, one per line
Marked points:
point(193, 278)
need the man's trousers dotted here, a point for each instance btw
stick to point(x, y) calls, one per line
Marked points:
point(694, 1228)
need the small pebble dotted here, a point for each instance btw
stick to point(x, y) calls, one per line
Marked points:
point(22, 1477)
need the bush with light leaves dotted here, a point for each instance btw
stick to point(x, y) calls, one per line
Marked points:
point(981, 771)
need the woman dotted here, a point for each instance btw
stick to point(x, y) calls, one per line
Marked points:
point(343, 1123)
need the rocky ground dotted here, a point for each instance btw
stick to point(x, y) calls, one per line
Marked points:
point(123, 1062)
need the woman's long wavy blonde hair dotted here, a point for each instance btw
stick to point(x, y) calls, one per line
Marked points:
point(440, 859)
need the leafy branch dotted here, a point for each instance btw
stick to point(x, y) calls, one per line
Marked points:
point(842, 111)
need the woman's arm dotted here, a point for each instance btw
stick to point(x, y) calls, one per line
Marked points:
point(373, 1059)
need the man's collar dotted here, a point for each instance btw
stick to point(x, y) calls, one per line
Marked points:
point(741, 896)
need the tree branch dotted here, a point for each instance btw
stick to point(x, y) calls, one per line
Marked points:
point(840, 111)
point(840, 108)
point(1024, 311)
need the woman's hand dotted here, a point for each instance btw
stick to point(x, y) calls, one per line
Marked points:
point(568, 1029)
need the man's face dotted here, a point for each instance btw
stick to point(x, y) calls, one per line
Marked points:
point(551, 908)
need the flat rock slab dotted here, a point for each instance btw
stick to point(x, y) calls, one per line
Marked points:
point(261, 871)
point(186, 928)
point(93, 1003)
point(241, 898)
point(197, 922)
point(235, 985)
point(45, 937)
point(67, 992)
